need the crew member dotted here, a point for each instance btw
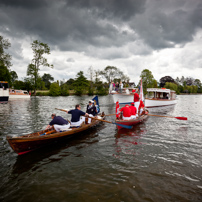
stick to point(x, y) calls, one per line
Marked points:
point(126, 112)
point(91, 110)
point(141, 107)
point(77, 116)
point(133, 111)
point(58, 123)
point(136, 99)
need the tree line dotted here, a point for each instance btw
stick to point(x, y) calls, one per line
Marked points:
point(80, 84)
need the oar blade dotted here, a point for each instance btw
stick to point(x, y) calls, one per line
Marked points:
point(123, 126)
point(181, 118)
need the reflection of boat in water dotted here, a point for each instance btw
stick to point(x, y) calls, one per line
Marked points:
point(156, 97)
point(13, 94)
point(132, 122)
point(4, 92)
point(33, 141)
point(128, 140)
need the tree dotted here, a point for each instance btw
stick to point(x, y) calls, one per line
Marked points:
point(5, 58)
point(14, 76)
point(111, 73)
point(55, 89)
point(80, 84)
point(47, 78)
point(148, 80)
point(166, 79)
point(39, 49)
point(5, 74)
point(171, 86)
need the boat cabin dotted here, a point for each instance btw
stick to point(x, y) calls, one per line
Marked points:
point(4, 91)
point(160, 93)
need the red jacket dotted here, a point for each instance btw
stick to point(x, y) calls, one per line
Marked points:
point(133, 110)
point(126, 111)
point(141, 104)
point(136, 97)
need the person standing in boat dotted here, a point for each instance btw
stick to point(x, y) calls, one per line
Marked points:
point(126, 112)
point(133, 111)
point(136, 99)
point(91, 110)
point(117, 87)
point(58, 123)
point(110, 87)
point(121, 87)
point(77, 116)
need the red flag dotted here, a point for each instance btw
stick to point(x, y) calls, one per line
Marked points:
point(117, 109)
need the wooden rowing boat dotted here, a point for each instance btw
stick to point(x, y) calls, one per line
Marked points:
point(26, 143)
point(132, 122)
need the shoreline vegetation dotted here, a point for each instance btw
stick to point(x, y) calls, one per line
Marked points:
point(72, 92)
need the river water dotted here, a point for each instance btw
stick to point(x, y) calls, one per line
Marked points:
point(159, 160)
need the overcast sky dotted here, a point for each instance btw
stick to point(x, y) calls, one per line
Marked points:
point(164, 36)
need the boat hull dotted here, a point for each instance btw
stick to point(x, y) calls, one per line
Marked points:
point(30, 142)
point(149, 103)
point(132, 122)
point(19, 96)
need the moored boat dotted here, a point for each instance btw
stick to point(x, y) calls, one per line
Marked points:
point(26, 143)
point(132, 122)
point(4, 92)
point(13, 94)
point(156, 97)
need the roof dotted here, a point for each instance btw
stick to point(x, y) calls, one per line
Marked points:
point(161, 90)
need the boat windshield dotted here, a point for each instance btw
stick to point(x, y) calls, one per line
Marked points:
point(4, 85)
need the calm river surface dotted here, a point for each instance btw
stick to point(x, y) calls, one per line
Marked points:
point(159, 160)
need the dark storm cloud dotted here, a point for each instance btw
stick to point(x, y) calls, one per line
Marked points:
point(87, 25)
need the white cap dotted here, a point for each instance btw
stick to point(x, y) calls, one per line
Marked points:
point(91, 101)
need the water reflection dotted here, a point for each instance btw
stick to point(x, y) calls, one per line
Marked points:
point(127, 140)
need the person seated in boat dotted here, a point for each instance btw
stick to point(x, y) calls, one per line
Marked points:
point(77, 116)
point(91, 110)
point(126, 112)
point(133, 111)
point(141, 107)
point(58, 123)
point(136, 99)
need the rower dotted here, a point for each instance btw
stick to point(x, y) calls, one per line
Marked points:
point(77, 116)
point(126, 112)
point(58, 123)
point(133, 111)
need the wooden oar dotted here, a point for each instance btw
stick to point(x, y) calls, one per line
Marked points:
point(124, 126)
point(180, 118)
point(49, 132)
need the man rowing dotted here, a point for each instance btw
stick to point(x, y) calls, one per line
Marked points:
point(58, 123)
point(77, 116)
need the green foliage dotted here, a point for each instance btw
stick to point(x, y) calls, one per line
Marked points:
point(14, 76)
point(148, 80)
point(55, 89)
point(47, 78)
point(80, 84)
point(39, 49)
point(64, 90)
point(90, 91)
point(19, 85)
point(111, 73)
point(4, 74)
point(171, 86)
point(42, 93)
point(5, 58)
